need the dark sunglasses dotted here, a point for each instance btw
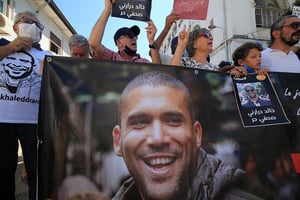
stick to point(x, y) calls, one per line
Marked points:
point(30, 21)
point(293, 25)
point(251, 90)
point(205, 34)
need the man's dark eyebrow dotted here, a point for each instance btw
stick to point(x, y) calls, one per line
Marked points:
point(173, 113)
point(24, 60)
point(137, 115)
point(11, 58)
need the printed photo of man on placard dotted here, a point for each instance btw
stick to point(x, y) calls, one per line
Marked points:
point(257, 102)
point(251, 96)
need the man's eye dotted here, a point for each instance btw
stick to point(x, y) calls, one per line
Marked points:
point(174, 121)
point(138, 123)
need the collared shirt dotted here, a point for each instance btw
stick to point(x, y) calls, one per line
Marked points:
point(279, 61)
point(111, 55)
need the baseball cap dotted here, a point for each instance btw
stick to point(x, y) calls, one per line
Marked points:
point(125, 31)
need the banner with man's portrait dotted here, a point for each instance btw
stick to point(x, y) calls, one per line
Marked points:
point(79, 110)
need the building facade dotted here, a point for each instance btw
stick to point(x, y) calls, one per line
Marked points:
point(236, 22)
point(57, 28)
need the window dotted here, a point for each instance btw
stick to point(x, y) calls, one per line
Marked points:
point(1, 6)
point(55, 44)
point(265, 16)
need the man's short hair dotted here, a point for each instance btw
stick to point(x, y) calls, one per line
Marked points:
point(155, 79)
point(249, 85)
point(19, 15)
point(78, 40)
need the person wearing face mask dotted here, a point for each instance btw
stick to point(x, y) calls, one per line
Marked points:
point(284, 33)
point(20, 82)
point(125, 39)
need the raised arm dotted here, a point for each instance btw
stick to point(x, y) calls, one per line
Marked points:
point(170, 19)
point(151, 31)
point(97, 32)
point(183, 39)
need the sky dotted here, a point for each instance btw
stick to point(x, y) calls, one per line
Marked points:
point(82, 15)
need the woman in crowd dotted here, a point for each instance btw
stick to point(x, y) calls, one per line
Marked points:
point(198, 44)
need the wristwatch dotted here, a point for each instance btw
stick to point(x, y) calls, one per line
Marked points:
point(153, 46)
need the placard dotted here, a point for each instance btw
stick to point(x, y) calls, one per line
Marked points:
point(296, 11)
point(132, 9)
point(191, 9)
point(258, 102)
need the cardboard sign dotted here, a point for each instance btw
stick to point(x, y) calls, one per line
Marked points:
point(191, 9)
point(258, 102)
point(296, 11)
point(132, 9)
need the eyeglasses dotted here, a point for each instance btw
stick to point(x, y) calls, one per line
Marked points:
point(293, 25)
point(205, 34)
point(30, 21)
point(250, 90)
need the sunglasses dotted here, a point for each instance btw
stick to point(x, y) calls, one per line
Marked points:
point(293, 25)
point(205, 34)
point(30, 21)
point(250, 90)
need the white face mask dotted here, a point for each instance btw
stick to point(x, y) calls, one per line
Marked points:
point(31, 31)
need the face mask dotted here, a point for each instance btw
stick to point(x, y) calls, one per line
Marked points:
point(31, 31)
point(129, 51)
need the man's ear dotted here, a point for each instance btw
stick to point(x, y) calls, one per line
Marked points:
point(116, 133)
point(119, 44)
point(197, 129)
point(276, 33)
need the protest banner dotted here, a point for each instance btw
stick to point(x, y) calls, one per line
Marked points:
point(79, 109)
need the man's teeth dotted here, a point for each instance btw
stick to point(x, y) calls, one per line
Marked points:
point(160, 161)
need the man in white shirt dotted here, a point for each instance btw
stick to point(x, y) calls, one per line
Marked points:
point(20, 82)
point(285, 32)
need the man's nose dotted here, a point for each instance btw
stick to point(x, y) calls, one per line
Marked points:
point(157, 135)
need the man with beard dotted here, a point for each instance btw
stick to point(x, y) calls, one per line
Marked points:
point(125, 39)
point(285, 32)
point(159, 140)
point(253, 99)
